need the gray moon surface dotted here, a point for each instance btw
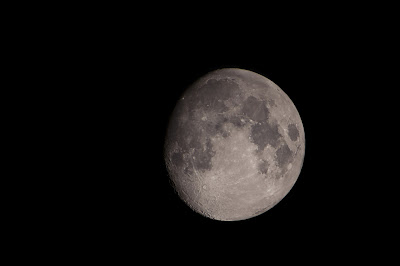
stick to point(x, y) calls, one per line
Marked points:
point(234, 146)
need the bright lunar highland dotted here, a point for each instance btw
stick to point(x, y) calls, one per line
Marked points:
point(234, 145)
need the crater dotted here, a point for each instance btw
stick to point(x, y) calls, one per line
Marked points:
point(293, 132)
point(265, 133)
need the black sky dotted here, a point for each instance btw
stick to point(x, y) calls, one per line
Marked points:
point(132, 80)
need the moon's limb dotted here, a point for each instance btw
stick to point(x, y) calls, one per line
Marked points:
point(235, 145)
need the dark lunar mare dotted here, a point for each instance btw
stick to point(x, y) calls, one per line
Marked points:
point(293, 132)
point(194, 148)
point(265, 133)
point(177, 159)
point(284, 156)
point(211, 96)
point(263, 167)
point(237, 121)
point(203, 156)
point(255, 109)
point(193, 135)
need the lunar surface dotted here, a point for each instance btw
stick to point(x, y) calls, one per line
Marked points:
point(234, 145)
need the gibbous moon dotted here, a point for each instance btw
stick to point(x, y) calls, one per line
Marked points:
point(234, 146)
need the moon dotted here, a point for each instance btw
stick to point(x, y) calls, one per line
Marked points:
point(234, 145)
